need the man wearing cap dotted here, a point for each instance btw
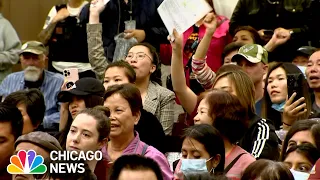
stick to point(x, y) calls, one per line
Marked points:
point(42, 143)
point(32, 57)
point(253, 58)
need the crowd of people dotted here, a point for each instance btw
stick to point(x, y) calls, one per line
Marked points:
point(249, 87)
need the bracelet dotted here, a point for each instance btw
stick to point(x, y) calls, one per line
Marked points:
point(286, 124)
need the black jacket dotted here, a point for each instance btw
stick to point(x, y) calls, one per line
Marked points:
point(288, 14)
point(260, 139)
point(113, 17)
point(150, 131)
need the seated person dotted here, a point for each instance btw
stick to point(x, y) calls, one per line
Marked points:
point(35, 76)
point(135, 167)
point(42, 143)
point(89, 131)
point(124, 102)
point(11, 125)
point(30, 102)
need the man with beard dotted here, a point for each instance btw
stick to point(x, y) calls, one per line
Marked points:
point(32, 57)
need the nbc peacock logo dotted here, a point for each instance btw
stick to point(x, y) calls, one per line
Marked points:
point(26, 163)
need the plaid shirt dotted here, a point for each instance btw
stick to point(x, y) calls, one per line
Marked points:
point(159, 100)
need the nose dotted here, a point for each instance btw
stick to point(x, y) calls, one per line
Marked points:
point(76, 138)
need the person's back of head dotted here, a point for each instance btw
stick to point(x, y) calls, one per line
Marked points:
point(267, 170)
point(135, 167)
point(12, 115)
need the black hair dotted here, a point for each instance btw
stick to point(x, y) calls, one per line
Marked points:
point(13, 115)
point(101, 115)
point(86, 175)
point(302, 125)
point(203, 176)
point(308, 150)
point(129, 71)
point(130, 93)
point(227, 68)
point(33, 101)
point(135, 163)
point(267, 111)
point(264, 169)
point(211, 139)
point(156, 75)
point(228, 114)
point(254, 33)
point(233, 46)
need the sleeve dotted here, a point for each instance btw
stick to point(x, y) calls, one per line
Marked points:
point(96, 53)
point(4, 85)
point(265, 142)
point(161, 161)
point(12, 44)
point(203, 73)
point(51, 15)
point(238, 16)
point(167, 113)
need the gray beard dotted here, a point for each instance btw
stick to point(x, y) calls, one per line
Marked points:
point(32, 73)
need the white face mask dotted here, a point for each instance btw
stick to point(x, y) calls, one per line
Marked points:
point(299, 175)
point(195, 166)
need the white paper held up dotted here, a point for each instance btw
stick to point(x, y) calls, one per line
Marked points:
point(105, 1)
point(182, 14)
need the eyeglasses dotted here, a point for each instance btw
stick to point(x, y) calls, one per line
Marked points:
point(139, 56)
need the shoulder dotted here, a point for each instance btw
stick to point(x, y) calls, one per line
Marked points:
point(163, 91)
point(15, 76)
point(155, 154)
point(55, 77)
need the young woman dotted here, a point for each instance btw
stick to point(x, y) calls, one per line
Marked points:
point(89, 132)
point(225, 112)
point(88, 93)
point(267, 170)
point(146, 63)
point(303, 131)
point(201, 142)
point(300, 159)
point(246, 35)
point(237, 83)
point(124, 102)
point(276, 107)
point(31, 104)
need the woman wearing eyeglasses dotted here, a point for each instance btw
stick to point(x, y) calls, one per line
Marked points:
point(146, 63)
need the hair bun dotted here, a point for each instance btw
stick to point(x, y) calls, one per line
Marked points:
point(103, 109)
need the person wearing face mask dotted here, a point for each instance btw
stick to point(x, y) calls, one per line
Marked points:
point(34, 75)
point(202, 151)
point(276, 107)
point(225, 112)
point(300, 159)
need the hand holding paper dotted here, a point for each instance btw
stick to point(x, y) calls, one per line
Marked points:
point(182, 14)
point(175, 40)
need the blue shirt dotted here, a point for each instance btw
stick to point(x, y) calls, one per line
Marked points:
point(50, 88)
point(258, 107)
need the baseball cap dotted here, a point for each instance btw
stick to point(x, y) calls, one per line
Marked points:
point(254, 53)
point(315, 172)
point(306, 50)
point(41, 139)
point(83, 87)
point(34, 47)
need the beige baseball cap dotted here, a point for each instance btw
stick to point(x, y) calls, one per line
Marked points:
point(254, 53)
point(34, 47)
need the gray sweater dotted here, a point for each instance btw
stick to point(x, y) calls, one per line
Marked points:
point(9, 47)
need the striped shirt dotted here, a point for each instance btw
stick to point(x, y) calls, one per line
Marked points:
point(204, 74)
point(50, 88)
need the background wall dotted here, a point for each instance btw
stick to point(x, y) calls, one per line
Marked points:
point(28, 16)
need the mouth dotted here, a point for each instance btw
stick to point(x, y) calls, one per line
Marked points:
point(73, 148)
point(114, 126)
point(19, 177)
point(274, 92)
point(313, 78)
point(74, 112)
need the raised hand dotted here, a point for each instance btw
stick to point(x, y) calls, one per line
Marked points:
point(280, 36)
point(293, 110)
point(210, 22)
point(139, 34)
point(97, 6)
point(175, 40)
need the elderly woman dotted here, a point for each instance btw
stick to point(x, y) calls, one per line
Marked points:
point(9, 46)
point(125, 103)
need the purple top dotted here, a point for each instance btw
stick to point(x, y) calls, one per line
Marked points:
point(136, 147)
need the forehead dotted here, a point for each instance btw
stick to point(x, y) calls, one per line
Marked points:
point(303, 136)
point(85, 122)
point(296, 157)
point(277, 71)
point(116, 71)
point(191, 144)
point(139, 48)
point(315, 56)
point(116, 100)
point(5, 129)
point(243, 32)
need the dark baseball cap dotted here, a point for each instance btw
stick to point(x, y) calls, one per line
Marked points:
point(306, 50)
point(83, 87)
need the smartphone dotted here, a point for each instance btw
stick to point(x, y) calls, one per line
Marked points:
point(268, 32)
point(294, 83)
point(71, 75)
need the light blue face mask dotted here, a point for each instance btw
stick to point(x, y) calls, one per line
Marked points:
point(279, 107)
point(303, 70)
point(189, 166)
point(299, 175)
